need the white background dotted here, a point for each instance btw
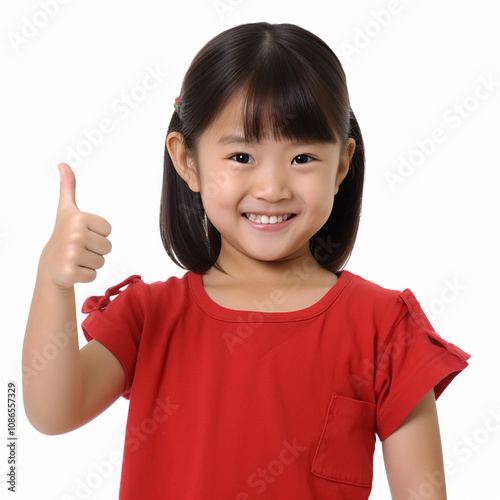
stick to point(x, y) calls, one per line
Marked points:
point(435, 232)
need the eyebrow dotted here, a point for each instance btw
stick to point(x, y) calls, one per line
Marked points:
point(232, 139)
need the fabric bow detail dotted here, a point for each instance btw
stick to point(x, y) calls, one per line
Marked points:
point(101, 301)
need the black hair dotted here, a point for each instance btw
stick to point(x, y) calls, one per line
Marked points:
point(294, 83)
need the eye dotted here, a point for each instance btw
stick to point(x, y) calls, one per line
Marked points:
point(242, 158)
point(299, 159)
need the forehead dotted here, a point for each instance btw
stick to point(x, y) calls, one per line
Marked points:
point(229, 120)
point(228, 126)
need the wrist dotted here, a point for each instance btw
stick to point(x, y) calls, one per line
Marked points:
point(45, 278)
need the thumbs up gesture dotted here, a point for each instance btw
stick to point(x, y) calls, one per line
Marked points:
point(75, 250)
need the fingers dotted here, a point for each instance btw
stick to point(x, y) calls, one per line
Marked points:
point(91, 260)
point(83, 275)
point(80, 255)
point(97, 244)
point(86, 241)
point(79, 241)
point(98, 224)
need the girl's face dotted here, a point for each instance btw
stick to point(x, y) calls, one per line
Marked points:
point(266, 199)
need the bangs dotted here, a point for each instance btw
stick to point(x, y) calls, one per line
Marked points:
point(282, 100)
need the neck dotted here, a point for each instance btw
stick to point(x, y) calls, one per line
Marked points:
point(298, 269)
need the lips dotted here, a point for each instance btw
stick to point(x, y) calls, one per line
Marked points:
point(268, 219)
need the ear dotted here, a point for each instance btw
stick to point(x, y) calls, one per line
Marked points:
point(344, 162)
point(183, 163)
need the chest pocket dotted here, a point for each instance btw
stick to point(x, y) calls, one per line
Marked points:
point(345, 449)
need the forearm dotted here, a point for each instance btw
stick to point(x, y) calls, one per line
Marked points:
point(52, 369)
point(60, 389)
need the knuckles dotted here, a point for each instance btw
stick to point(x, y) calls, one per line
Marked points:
point(67, 254)
point(77, 238)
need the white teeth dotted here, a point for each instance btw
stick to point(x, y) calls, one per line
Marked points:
point(267, 219)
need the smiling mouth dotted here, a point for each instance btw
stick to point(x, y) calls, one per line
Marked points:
point(268, 219)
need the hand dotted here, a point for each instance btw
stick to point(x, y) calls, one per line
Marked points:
point(77, 245)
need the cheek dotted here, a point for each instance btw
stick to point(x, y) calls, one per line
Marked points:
point(222, 187)
point(219, 200)
point(319, 195)
point(214, 187)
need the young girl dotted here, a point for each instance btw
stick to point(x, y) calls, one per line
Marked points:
point(266, 370)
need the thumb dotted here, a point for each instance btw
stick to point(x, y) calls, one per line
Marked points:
point(67, 188)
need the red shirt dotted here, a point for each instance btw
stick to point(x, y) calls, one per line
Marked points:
point(228, 404)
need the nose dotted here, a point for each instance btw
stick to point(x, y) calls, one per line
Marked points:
point(271, 183)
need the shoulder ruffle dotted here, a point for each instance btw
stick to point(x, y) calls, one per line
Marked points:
point(101, 301)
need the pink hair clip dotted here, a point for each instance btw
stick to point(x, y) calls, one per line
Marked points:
point(177, 105)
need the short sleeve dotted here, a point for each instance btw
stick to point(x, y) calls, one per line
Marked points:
point(414, 360)
point(117, 323)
